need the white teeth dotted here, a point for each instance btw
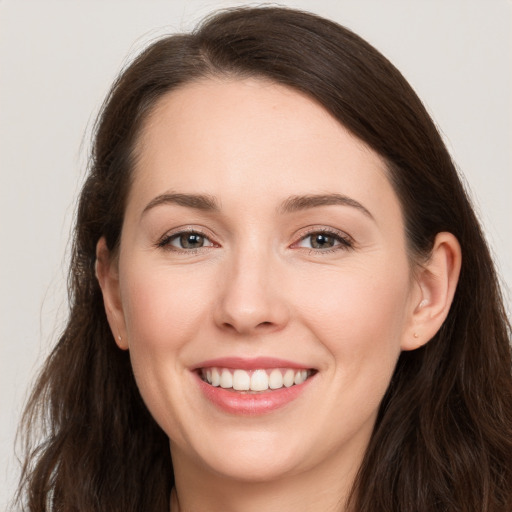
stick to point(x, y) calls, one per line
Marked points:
point(215, 377)
point(255, 380)
point(241, 380)
point(259, 380)
point(288, 378)
point(275, 380)
point(226, 379)
point(300, 377)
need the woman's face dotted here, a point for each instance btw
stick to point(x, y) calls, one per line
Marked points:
point(262, 245)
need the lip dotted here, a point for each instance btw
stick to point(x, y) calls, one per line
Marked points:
point(250, 404)
point(255, 363)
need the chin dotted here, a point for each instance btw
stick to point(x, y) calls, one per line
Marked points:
point(253, 457)
point(253, 468)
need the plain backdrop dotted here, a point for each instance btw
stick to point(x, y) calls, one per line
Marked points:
point(57, 60)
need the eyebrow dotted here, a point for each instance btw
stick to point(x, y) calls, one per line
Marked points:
point(201, 202)
point(298, 203)
point(292, 204)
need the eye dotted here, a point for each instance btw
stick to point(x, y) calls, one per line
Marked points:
point(185, 241)
point(325, 240)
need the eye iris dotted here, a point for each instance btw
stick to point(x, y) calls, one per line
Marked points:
point(320, 241)
point(191, 240)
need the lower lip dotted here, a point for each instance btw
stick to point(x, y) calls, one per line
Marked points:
point(251, 404)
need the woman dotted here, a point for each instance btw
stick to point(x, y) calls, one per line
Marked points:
point(302, 302)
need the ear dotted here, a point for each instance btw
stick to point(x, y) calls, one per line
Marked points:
point(436, 282)
point(108, 277)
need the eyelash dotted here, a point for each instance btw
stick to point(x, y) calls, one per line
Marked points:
point(345, 242)
point(165, 241)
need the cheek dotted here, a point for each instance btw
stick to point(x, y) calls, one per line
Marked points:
point(358, 313)
point(163, 312)
point(162, 308)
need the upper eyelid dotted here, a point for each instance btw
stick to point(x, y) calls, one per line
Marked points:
point(310, 230)
point(185, 229)
point(164, 240)
point(319, 229)
point(345, 241)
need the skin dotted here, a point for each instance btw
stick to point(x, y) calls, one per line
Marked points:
point(258, 287)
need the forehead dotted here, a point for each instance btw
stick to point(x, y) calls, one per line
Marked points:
point(253, 138)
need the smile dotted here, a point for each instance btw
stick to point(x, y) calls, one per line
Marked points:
point(254, 381)
point(253, 386)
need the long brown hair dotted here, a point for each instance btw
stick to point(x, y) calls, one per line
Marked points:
point(443, 437)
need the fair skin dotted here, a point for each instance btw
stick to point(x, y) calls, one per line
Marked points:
point(325, 285)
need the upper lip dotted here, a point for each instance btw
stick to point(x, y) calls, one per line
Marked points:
point(255, 363)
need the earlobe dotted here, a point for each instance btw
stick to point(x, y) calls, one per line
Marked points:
point(436, 284)
point(108, 279)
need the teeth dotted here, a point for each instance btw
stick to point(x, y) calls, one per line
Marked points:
point(241, 380)
point(215, 377)
point(300, 377)
point(226, 379)
point(259, 380)
point(256, 380)
point(275, 379)
point(288, 378)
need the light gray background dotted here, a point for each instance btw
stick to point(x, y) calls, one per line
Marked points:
point(57, 60)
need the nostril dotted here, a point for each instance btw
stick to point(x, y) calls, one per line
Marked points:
point(261, 324)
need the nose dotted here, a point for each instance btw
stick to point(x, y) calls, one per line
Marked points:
point(250, 298)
